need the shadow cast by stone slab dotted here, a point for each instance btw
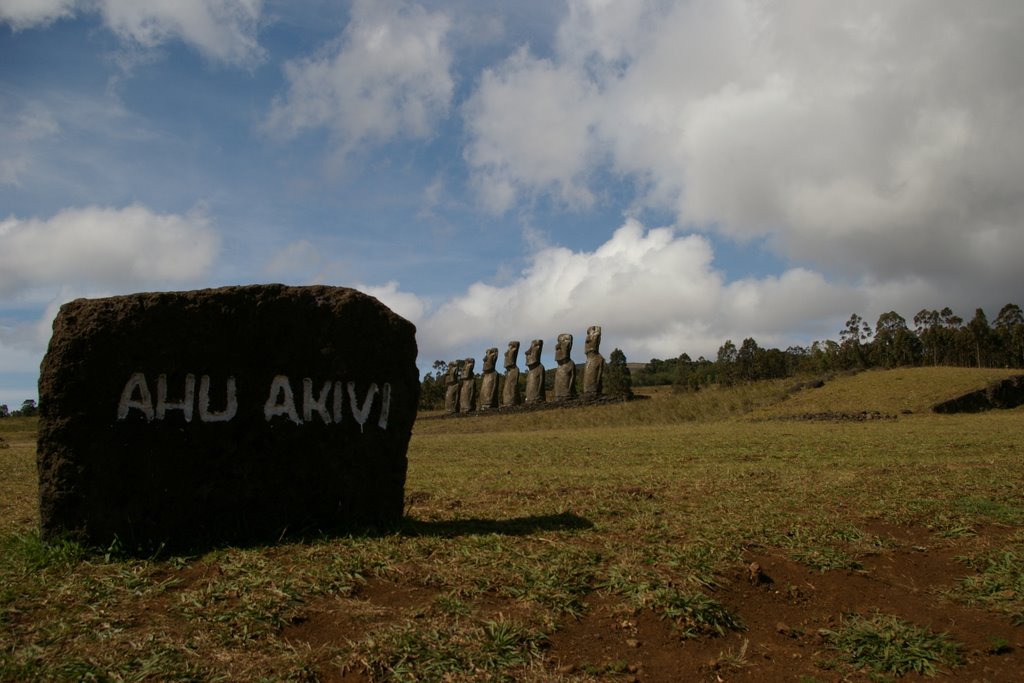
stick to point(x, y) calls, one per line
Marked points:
point(516, 526)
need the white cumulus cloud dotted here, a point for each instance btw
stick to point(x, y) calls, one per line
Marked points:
point(387, 77)
point(656, 292)
point(104, 248)
point(547, 149)
point(873, 139)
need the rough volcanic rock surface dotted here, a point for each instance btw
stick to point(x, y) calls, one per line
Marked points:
point(139, 439)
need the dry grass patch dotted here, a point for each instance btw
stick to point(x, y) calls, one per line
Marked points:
point(902, 391)
point(19, 489)
point(625, 532)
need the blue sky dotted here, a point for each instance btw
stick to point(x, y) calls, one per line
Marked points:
point(679, 172)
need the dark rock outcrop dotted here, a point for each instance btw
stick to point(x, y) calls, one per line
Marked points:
point(1005, 393)
point(224, 415)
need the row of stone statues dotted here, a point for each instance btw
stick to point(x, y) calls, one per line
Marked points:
point(461, 387)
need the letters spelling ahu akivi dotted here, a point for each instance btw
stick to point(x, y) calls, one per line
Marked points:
point(328, 405)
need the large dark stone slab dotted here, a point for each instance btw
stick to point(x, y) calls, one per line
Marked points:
point(233, 414)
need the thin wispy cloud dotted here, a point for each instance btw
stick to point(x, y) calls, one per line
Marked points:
point(221, 30)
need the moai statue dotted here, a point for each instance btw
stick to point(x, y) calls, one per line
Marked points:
point(489, 384)
point(535, 375)
point(593, 374)
point(467, 395)
point(510, 389)
point(565, 374)
point(452, 383)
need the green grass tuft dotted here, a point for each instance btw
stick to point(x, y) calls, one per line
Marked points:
point(455, 651)
point(31, 554)
point(557, 580)
point(886, 644)
point(826, 558)
point(998, 585)
point(694, 613)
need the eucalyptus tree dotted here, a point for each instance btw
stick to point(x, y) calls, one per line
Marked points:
point(1009, 330)
point(930, 331)
point(747, 360)
point(980, 337)
point(855, 335)
point(725, 363)
point(895, 345)
point(952, 326)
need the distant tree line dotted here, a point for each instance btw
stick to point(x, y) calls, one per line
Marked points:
point(936, 338)
point(28, 409)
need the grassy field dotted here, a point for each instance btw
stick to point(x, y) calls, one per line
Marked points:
point(737, 534)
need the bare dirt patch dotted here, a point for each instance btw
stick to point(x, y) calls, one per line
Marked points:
point(785, 617)
point(786, 608)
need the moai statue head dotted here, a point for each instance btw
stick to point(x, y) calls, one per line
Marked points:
point(533, 353)
point(467, 368)
point(593, 344)
point(452, 374)
point(490, 359)
point(563, 349)
point(512, 355)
